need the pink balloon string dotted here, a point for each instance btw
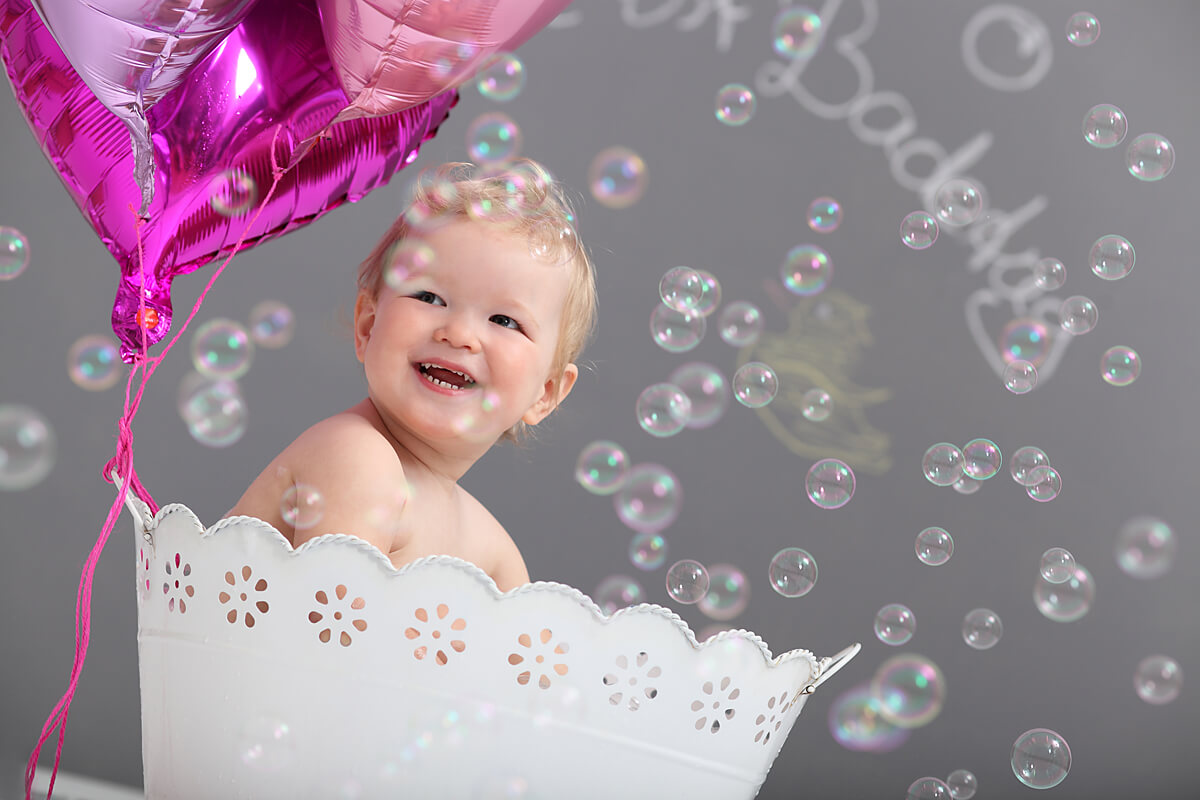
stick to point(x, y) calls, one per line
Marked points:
point(121, 466)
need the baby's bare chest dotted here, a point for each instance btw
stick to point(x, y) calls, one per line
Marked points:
point(436, 526)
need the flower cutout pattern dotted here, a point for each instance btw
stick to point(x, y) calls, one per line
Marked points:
point(436, 631)
point(540, 658)
point(638, 678)
point(143, 567)
point(716, 706)
point(771, 720)
point(335, 615)
point(176, 586)
point(240, 600)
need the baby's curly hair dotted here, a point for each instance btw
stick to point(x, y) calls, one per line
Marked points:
point(522, 196)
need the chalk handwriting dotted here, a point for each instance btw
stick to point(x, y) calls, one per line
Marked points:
point(728, 15)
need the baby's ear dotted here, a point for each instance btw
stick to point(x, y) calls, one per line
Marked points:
point(364, 322)
point(553, 393)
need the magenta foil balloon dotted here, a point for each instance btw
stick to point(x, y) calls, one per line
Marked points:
point(269, 81)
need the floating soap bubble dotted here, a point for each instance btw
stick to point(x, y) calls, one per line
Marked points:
point(1120, 366)
point(1083, 29)
point(1049, 274)
point(1044, 485)
point(616, 592)
point(910, 690)
point(966, 485)
point(728, 593)
point(982, 628)
point(796, 32)
point(1026, 339)
point(233, 193)
point(934, 546)
point(687, 581)
point(1024, 461)
point(755, 384)
point(213, 409)
point(650, 499)
point(1041, 758)
point(1057, 565)
point(602, 467)
point(943, 464)
point(1078, 315)
point(735, 104)
point(1067, 601)
point(680, 289)
point(302, 506)
point(1146, 547)
point(409, 259)
point(958, 202)
point(1111, 257)
point(981, 459)
point(1158, 680)
point(27, 447)
point(663, 409)
point(829, 483)
point(706, 389)
point(895, 624)
point(806, 270)
point(918, 230)
point(928, 789)
point(711, 298)
point(824, 215)
point(492, 138)
point(1020, 376)
point(502, 78)
point(272, 324)
point(741, 324)
point(793, 572)
point(265, 744)
point(962, 784)
point(1150, 157)
point(675, 332)
point(1105, 126)
point(856, 723)
point(222, 349)
point(617, 177)
point(14, 253)
point(817, 405)
point(648, 551)
point(94, 363)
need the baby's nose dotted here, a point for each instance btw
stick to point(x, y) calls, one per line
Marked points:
point(458, 332)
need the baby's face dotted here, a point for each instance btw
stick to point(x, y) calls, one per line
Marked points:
point(465, 347)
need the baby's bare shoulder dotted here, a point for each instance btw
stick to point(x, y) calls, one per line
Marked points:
point(500, 556)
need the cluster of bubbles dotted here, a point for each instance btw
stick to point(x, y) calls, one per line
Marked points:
point(945, 464)
point(735, 104)
point(502, 78)
point(27, 447)
point(14, 253)
point(1040, 758)
point(493, 137)
point(617, 177)
point(1149, 157)
point(959, 785)
point(982, 628)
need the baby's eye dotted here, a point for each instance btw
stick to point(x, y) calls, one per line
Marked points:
point(429, 297)
point(506, 322)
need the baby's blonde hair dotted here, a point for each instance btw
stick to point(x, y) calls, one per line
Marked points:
point(521, 196)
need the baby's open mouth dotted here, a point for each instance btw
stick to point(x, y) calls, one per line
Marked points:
point(444, 376)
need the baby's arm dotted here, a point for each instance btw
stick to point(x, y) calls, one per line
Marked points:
point(500, 557)
point(510, 571)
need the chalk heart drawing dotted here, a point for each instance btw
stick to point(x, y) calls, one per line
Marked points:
point(985, 302)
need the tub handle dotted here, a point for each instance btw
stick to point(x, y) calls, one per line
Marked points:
point(829, 666)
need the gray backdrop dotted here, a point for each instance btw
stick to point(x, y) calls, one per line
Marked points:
point(732, 201)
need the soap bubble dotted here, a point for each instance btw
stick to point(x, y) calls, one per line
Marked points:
point(1146, 547)
point(1024, 461)
point(1105, 126)
point(793, 572)
point(492, 138)
point(27, 447)
point(856, 723)
point(680, 289)
point(958, 202)
point(981, 459)
point(918, 230)
point(1020, 376)
point(728, 593)
point(943, 464)
point(1041, 758)
point(928, 789)
point(1078, 315)
point(817, 405)
point(616, 592)
point(1083, 29)
point(1158, 680)
point(94, 363)
point(14, 253)
point(982, 628)
point(302, 506)
point(663, 410)
point(934, 546)
point(829, 483)
point(910, 689)
point(1044, 485)
point(806, 270)
point(687, 581)
point(272, 324)
point(1049, 274)
point(741, 324)
point(265, 744)
point(617, 177)
point(221, 348)
point(602, 467)
point(966, 485)
point(409, 259)
point(648, 551)
point(755, 384)
point(895, 624)
point(962, 784)
point(1067, 601)
point(824, 215)
point(650, 499)
point(1058, 565)
point(1111, 257)
point(711, 298)
point(1120, 365)
point(675, 332)
point(707, 390)
point(234, 193)
point(1150, 157)
point(735, 104)
point(213, 410)
point(502, 78)
point(796, 32)
point(1027, 339)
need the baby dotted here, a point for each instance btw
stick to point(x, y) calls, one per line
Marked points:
point(470, 314)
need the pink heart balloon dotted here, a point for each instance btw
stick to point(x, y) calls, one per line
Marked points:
point(269, 84)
